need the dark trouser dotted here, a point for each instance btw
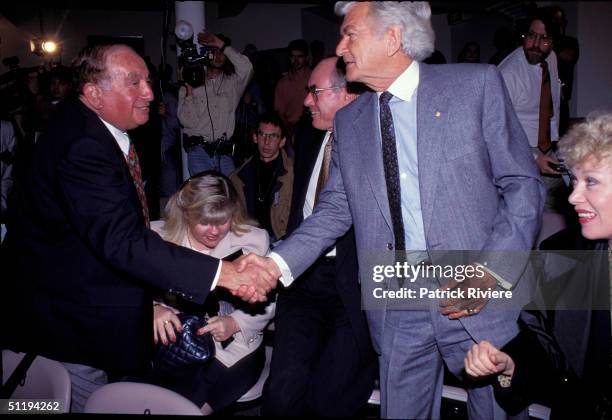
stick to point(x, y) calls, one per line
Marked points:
point(214, 383)
point(316, 366)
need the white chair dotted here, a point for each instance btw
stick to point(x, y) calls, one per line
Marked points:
point(536, 411)
point(374, 397)
point(45, 379)
point(257, 389)
point(139, 398)
point(450, 392)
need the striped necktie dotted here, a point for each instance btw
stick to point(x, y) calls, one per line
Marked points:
point(134, 167)
point(324, 173)
point(546, 111)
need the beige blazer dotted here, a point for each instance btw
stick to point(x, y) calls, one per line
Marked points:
point(250, 336)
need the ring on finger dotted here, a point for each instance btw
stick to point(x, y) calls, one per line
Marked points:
point(166, 322)
point(470, 311)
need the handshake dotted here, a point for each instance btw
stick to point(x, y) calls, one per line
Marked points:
point(249, 277)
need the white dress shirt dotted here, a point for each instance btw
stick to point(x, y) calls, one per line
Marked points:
point(311, 192)
point(524, 83)
point(287, 277)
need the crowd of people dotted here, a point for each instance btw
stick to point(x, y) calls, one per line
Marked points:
point(372, 156)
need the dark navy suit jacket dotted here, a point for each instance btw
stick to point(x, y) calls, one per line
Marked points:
point(82, 265)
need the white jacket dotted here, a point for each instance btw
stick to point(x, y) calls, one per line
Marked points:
point(250, 336)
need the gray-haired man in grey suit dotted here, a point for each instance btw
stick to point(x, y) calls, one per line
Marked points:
point(433, 159)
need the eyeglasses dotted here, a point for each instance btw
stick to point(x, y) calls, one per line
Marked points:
point(532, 36)
point(271, 136)
point(314, 91)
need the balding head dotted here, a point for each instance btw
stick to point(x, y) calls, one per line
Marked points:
point(113, 82)
point(327, 93)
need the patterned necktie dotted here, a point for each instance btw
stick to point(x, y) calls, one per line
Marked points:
point(546, 111)
point(134, 167)
point(391, 170)
point(324, 173)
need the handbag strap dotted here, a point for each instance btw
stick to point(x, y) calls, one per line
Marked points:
point(18, 374)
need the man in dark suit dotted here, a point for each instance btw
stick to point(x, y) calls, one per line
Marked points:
point(83, 264)
point(323, 363)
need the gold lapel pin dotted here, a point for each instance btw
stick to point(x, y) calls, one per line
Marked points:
point(438, 114)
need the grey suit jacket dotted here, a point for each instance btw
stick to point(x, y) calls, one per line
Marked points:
point(479, 186)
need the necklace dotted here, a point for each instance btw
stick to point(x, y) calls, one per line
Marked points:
point(190, 244)
point(218, 92)
point(193, 247)
point(261, 195)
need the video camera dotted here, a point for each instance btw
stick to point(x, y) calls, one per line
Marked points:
point(192, 60)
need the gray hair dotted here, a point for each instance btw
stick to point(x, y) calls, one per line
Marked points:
point(413, 18)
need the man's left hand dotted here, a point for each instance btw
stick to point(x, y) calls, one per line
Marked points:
point(458, 308)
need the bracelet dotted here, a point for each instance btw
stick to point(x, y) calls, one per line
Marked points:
point(504, 380)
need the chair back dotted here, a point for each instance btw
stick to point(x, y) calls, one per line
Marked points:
point(139, 398)
point(45, 379)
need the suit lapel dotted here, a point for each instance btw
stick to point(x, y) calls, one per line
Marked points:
point(96, 128)
point(307, 147)
point(432, 117)
point(367, 134)
point(307, 163)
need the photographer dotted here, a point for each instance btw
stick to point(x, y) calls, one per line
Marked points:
point(207, 104)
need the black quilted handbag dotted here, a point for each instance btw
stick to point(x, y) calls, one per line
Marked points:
point(189, 350)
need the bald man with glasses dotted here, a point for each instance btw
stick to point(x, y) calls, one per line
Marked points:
point(323, 362)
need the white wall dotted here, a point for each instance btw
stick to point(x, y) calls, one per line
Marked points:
point(14, 42)
point(267, 25)
point(594, 69)
point(477, 27)
point(324, 29)
point(273, 25)
point(443, 35)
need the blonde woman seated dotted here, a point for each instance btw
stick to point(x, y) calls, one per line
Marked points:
point(561, 356)
point(205, 215)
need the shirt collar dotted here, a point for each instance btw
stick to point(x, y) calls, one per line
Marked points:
point(404, 86)
point(121, 137)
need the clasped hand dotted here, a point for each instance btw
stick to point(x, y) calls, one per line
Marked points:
point(456, 308)
point(250, 277)
point(484, 360)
